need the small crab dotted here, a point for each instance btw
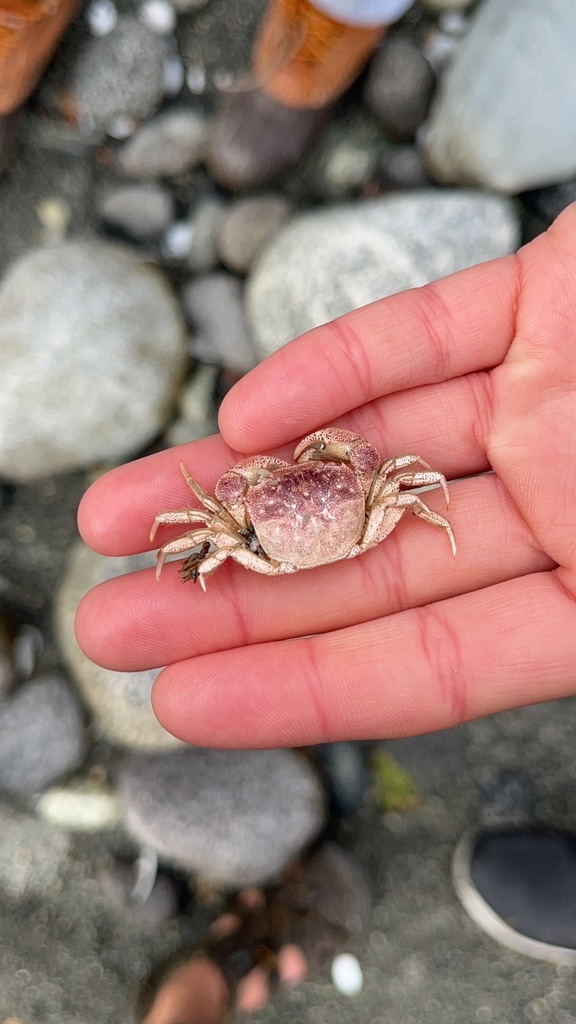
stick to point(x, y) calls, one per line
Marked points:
point(338, 500)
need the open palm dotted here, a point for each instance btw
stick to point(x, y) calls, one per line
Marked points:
point(474, 372)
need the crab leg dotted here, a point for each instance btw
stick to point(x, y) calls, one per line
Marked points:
point(181, 515)
point(385, 515)
point(420, 479)
point(216, 534)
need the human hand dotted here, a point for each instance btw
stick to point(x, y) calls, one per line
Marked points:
point(473, 372)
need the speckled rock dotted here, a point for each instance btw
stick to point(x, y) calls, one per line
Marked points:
point(399, 86)
point(32, 854)
point(504, 116)
point(120, 701)
point(86, 324)
point(215, 305)
point(325, 263)
point(247, 226)
point(168, 145)
point(119, 75)
point(42, 735)
point(141, 211)
point(235, 818)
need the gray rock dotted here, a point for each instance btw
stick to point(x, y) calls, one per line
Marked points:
point(399, 86)
point(120, 701)
point(404, 167)
point(168, 145)
point(141, 211)
point(205, 221)
point(215, 306)
point(235, 818)
point(505, 114)
point(88, 327)
point(42, 735)
point(325, 263)
point(247, 226)
point(549, 202)
point(32, 854)
point(120, 75)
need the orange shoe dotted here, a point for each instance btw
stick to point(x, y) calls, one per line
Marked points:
point(303, 61)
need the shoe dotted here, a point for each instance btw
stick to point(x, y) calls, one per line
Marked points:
point(303, 61)
point(29, 33)
point(519, 886)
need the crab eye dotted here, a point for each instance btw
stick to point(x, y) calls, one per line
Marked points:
point(321, 446)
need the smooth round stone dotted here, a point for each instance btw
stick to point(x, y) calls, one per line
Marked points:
point(119, 701)
point(234, 818)
point(399, 86)
point(205, 219)
point(142, 211)
point(170, 144)
point(326, 263)
point(247, 226)
point(504, 115)
point(92, 350)
point(42, 735)
point(119, 75)
point(215, 306)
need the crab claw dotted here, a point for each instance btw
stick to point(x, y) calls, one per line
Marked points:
point(335, 445)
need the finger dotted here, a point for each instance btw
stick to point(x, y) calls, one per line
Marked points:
point(417, 671)
point(132, 622)
point(445, 423)
point(458, 325)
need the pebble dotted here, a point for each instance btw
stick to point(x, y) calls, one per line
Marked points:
point(399, 86)
point(234, 818)
point(119, 701)
point(404, 167)
point(159, 16)
point(196, 403)
point(143, 212)
point(83, 805)
point(504, 115)
point(177, 240)
point(346, 975)
point(346, 775)
point(32, 855)
point(215, 306)
point(42, 735)
point(327, 262)
point(205, 219)
point(168, 145)
point(246, 226)
point(102, 17)
point(119, 75)
point(197, 408)
point(87, 321)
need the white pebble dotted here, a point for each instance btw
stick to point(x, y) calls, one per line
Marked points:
point(177, 241)
point(346, 975)
point(102, 17)
point(196, 80)
point(159, 16)
point(122, 128)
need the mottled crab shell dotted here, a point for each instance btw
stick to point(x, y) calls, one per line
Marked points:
point(309, 514)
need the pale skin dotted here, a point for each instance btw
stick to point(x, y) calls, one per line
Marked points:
point(474, 372)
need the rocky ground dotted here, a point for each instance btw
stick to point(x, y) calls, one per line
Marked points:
point(106, 354)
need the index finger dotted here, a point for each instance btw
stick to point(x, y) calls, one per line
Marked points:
point(458, 325)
